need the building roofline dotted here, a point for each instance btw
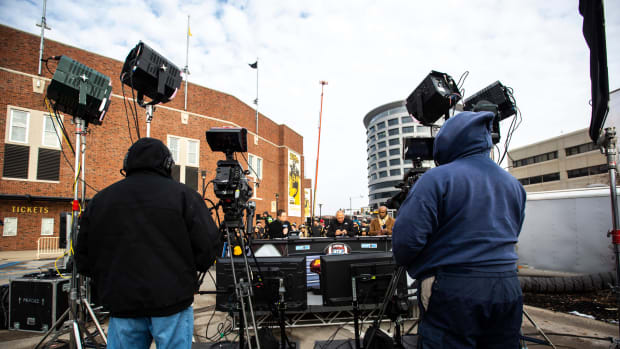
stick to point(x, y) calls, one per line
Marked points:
point(381, 109)
point(121, 62)
point(548, 140)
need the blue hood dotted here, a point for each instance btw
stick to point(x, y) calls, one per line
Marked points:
point(462, 135)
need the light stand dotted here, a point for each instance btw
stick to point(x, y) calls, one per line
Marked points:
point(607, 142)
point(149, 117)
point(76, 313)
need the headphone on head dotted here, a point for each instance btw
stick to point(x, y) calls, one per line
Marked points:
point(167, 164)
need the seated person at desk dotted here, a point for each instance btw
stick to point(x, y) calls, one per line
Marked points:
point(293, 232)
point(364, 228)
point(280, 227)
point(383, 224)
point(259, 231)
point(317, 229)
point(340, 227)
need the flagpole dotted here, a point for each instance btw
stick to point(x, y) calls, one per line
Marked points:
point(318, 147)
point(256, 101)
point(186, 69)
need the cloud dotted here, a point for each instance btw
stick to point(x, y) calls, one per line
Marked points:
point(371, 52)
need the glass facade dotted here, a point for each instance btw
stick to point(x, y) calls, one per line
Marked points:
point(388, 123)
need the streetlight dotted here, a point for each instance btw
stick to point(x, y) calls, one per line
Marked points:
point(203, 174)
point(321, 210)
point(277, 197)
point(350, 206)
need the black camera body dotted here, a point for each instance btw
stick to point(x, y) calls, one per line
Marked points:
point(415, 149)
point(230, 182)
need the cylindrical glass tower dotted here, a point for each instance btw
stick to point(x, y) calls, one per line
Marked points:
point(386, 125)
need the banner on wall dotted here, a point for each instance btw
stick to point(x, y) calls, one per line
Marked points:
point(307, 202)
point(294, 184)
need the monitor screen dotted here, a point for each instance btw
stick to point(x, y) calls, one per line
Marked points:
point(373, 279)
point(336, 282)
point(289, 271)
point(418, 148)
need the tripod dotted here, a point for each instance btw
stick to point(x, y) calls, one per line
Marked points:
point(243, 285)
point(607, 142)
point(78, 303)
point(390, 295)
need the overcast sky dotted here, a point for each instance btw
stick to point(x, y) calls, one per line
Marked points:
point(370, 52)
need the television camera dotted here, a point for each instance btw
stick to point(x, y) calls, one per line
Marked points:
point(230, 184)
point(417, 150)
point(233, 191)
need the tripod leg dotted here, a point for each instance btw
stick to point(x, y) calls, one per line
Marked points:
point(97, 324)
point(58, 322)
point(538, 329)
point(76, 335)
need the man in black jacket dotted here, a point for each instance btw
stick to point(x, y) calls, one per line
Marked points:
point(280, 227)
point(340, 227)
point(142, 240)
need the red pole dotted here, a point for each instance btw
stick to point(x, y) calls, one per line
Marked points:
point(318, 147)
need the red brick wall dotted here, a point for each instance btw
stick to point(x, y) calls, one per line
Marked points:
point(29, 222)
point(107, 144)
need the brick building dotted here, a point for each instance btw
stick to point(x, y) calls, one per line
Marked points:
point(37, 180)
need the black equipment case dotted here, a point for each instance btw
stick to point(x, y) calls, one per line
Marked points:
point(37, 301)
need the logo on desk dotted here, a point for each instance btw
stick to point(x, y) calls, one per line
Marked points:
point(369, 245)
point(302, 247)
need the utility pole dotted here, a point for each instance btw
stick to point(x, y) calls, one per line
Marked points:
point(186, 68)
point(43, 26)
point(318, 148)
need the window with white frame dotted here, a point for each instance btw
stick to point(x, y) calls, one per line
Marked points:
point(18, 129)
point(186, 155)
point(32, 148)
point(47, 226)
point(255, 166)
point(192, 153)
point(173, 145)
point(10, 226)
point(51, 137)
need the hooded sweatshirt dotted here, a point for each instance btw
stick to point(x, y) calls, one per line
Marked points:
point(465, 213)
point(144, 238)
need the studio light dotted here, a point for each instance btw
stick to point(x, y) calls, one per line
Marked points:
point(80, 91)
point(433, 98)
point(151, 75)
point(497, 94)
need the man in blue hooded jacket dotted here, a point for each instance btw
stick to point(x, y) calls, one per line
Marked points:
point(456, 234)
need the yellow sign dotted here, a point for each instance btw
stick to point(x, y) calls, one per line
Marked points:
point(29, 209)
point(307, 202)
point(294, 184)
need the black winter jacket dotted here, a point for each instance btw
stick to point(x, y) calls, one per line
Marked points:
point(143, 239)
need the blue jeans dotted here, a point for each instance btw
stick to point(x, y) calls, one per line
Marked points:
point(174, 331)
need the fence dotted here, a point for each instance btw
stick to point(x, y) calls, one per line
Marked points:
point(48, 246)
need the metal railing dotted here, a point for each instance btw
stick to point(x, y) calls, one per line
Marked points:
point(48, 246)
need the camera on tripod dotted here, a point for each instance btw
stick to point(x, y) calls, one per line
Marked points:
point(230, 184)
point(416, 149)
